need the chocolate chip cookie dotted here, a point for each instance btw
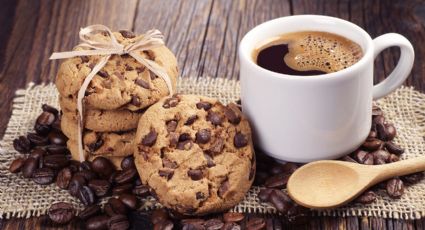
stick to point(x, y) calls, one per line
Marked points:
point(122, 83)
point(195, 153)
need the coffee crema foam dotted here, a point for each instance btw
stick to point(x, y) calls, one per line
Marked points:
point(313, 50)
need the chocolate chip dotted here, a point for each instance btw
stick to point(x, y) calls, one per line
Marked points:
point(61, 212)
point(103, 74)
point(16, 165)
point(195, 174)
point(127, 34)
point(200, 196)
point(140, 69)
point(152, 75)
point(367, 197)
point(171, 125)
point(395, 188)
point(86, 195)
point(135, 100)
point(174, 139)
point(191, 120)
point(224, 187)
point(240, 140)
point(217, 146)
point(100, 187)
point(231, 115)
point(167, 173)
point(95, 145)
point(89, 211)
point(43, 176)
point(214, 118)
point(142, 83)
point(393, 148)
point(203, 105)
point(185, 145)
point(150, 138)
point(184, 137)
point(84, 59)
point(170, 102)
point(168, 163)
point(64, 178)
point(210, 161)
point(203, 136)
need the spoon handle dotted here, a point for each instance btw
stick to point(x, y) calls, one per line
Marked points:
point(401, 168)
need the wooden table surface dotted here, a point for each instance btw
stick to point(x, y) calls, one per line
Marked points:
point(204, 35)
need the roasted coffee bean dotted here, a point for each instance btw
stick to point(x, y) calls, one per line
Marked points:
point(128, 163)
point(89, 211)
point(115, 207)
point(393, 148)
point(75, 184)
point(395, 188)
point(57, 138)
point(224, 187)
point(191, 120)
point(298, 215)
point(129, 200)
point(170, 102)
point(231, 226)
point(391, 132)
point(100, 187)
point(29, 167)
point(118, 222)
point(193, 223)
point(233, 217)
point(382, 133)
point(363, 157)
point(260, 177)
point(264, 194)
point(348, 159)
point(56, 161)
point(255, 223)
point(120, 189)
point(413, 178)
point(372, 134)
point(372, 144)
point(167, 173)
point(380, 157)
point(50, 109)
point(393, 158)
point(277, 181)
point(142, 83)
point(86, 195)
point(43, 176)
point(141, 190)
point(103, 167)
point(150, 138)
point(203, 105)
point(213, 224)
point(125, 176)
point(240, 140)
point(87, 174)
point(61, 213)
point(57, 124)
point(280, 200)
point(203, 136)
point(22, 144)
point(165, 225)
point(43, 122)
point(64, 178)
point(159, 215)
point(38, 154)
point(38, 140)
point(378, 119)
point(56, 149)
point(85, 165)
point(214, 117)
point(366, 198)
point(74, 165)
point(97, 223)
point(195, 174)
point(16, 165)
point(376, 111)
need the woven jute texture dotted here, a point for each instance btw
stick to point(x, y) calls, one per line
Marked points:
point(20, 197)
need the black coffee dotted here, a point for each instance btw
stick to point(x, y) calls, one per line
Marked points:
point(308, 53)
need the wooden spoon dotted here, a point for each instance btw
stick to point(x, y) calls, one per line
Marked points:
point(330, 183)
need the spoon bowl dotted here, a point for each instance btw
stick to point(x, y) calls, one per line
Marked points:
point(330, 183)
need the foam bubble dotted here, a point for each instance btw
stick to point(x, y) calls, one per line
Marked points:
point(321, 51)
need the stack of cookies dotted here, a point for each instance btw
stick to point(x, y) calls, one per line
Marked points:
point(116, 98)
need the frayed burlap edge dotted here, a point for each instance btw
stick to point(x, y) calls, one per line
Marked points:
point(20, 197)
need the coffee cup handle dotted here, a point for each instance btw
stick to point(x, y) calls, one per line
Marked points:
point(404, 65)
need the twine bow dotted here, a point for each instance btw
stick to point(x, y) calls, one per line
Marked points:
point(149, 40)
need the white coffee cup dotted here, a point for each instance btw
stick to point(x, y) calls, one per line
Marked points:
point(307, 118)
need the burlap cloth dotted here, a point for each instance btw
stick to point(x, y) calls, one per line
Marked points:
point(20, 197)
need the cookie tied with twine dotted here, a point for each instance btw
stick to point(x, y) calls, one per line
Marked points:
point(106, 48)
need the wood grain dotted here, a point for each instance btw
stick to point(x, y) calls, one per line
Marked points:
point(204, 35)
